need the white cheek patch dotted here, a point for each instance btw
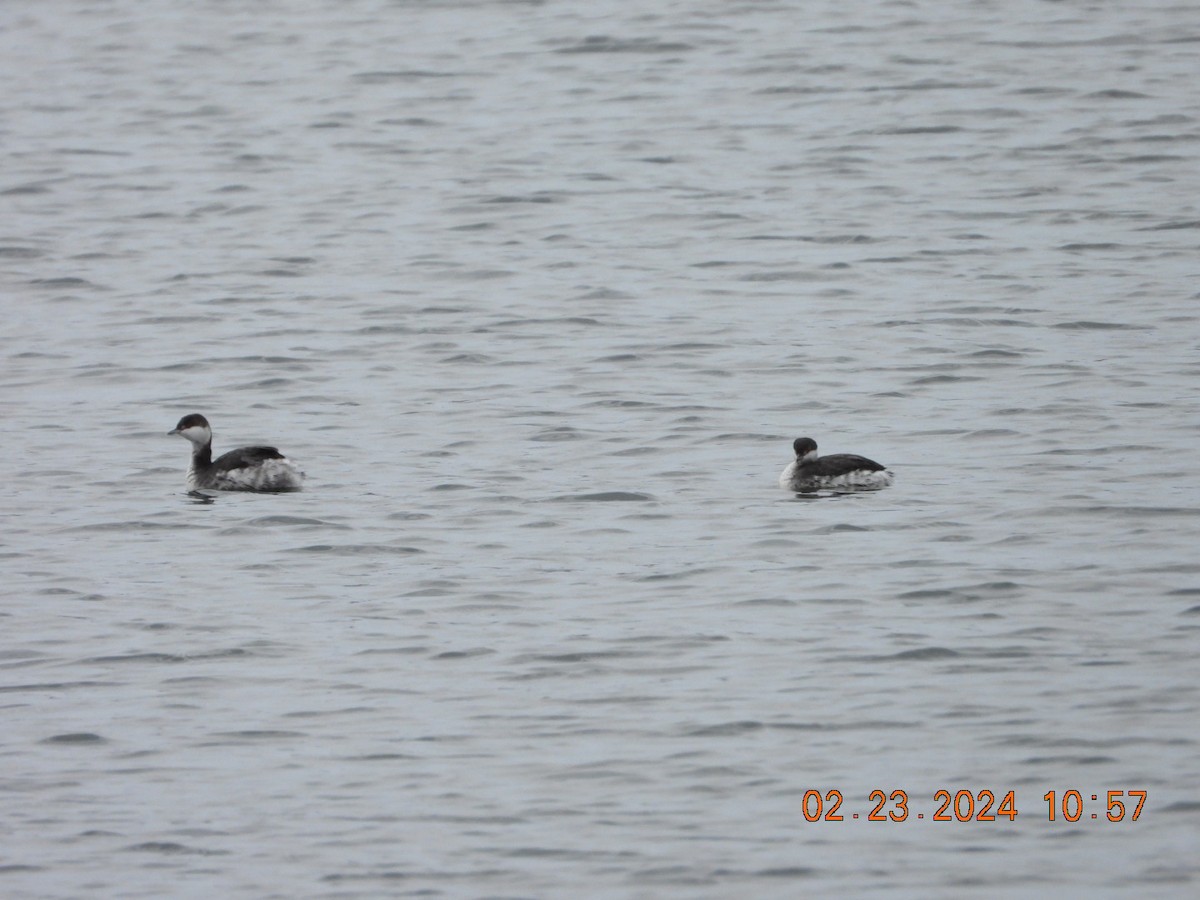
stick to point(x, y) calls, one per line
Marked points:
point(197, 434)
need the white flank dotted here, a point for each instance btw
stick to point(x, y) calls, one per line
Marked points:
point(858, 480)
point(269, 475)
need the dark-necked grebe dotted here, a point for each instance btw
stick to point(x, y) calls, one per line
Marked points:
point(839, 472)
point(244, 469)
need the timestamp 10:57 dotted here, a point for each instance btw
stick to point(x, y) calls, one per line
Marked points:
point(1071, 805)
point(973, 806)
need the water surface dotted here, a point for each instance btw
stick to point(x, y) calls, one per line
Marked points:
point(539, 294)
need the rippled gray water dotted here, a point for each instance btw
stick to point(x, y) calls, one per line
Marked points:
point(539, 295)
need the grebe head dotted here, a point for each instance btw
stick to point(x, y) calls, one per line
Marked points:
point(806, 449)
point(194, 428)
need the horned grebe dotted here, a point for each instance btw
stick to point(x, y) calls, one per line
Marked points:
point(244, 469)
point(839, 472)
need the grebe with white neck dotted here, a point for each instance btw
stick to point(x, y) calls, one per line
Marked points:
point(837, 472)
point(262, 469)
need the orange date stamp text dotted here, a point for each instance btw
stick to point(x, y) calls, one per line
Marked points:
point(983, 805)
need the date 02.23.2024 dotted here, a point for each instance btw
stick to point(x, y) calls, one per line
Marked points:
point(977, 806)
